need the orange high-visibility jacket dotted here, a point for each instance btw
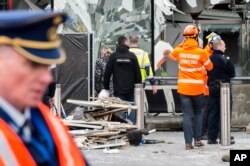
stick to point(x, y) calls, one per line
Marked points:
point(206, 90)
point(192, 61)
point(210, 52)
point(13, 151)
point(208, 49)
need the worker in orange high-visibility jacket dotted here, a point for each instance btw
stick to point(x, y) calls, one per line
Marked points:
point(192, 61)
point(30, 134)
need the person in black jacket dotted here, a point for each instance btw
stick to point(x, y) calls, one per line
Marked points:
point(48, 97)
point(124, 68)
point(222, 72)
point(100, 69)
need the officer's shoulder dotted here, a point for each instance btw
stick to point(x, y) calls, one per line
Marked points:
point(224, 58)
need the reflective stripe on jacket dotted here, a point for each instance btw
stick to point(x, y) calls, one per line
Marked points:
point(144, 63)
point(193, 61)
point(13, 151)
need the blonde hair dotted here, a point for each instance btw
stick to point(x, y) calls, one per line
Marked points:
point(133, 39)
point(106, 51)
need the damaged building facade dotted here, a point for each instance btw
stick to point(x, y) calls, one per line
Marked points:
point(94, 24)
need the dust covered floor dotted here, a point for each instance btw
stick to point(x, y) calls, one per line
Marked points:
point(170, 153)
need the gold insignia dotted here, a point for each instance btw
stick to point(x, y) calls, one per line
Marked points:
point(57, 20)
point(51, 34)
point(18, 42)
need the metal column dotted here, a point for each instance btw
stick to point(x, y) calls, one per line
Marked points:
point(139, 101)
point(225, 114)
point(58, 99)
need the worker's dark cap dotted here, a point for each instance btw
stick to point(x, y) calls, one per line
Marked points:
point(33, 35)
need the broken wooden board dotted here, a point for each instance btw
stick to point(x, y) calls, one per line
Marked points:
point(82, 125)
point(94, 122)
point(82, 132)
point(102, 133)
point(99, 104)
point(79, 141)
point(108, 145)
point(101, 113)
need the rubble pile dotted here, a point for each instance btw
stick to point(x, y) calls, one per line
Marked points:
point(97, 124)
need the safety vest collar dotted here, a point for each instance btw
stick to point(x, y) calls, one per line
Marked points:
point(68, 153)
point(13, 151)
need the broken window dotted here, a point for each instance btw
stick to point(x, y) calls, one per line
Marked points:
point(108, 19)
point(237, 44)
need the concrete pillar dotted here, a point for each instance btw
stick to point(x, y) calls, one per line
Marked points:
point(225, 114)
point(139, 101)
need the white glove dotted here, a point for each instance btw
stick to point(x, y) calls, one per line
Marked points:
point(103, 94)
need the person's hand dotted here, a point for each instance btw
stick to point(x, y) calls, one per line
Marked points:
point(104, 94)
point(166, 52)
point(154, 89)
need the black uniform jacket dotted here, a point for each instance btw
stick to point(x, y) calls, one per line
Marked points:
point(222, 71)
point(124, 67)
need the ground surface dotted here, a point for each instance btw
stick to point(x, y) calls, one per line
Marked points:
point(171, 153)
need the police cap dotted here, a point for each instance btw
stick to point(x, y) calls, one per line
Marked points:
point(33, 34)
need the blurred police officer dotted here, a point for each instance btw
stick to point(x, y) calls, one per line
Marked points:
point(209, 49)
point(222, 72)
point(29, 133)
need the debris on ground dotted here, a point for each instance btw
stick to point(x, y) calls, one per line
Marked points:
point(97, 124)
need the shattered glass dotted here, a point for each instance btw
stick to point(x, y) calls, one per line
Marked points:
point(236, 38)
point(107, 20)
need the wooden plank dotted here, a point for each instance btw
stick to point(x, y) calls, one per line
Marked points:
point(102, 133)
point(110, 117)
point(80, 141)
point(93, 122)
point(99, 104)
point(82, 125)
point(81, 132)
point(107, 145)
point(98, 140)
point(107, 112)
point(116, 136)
point(122, 126)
